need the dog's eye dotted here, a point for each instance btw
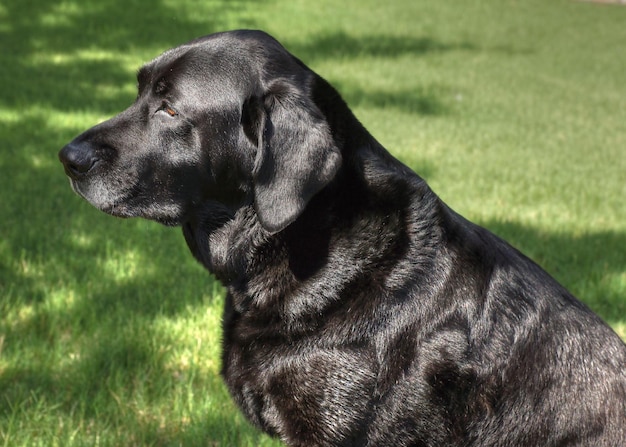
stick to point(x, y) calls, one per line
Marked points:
point(168, 109)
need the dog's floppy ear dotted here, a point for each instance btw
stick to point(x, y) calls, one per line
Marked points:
point(296, 154)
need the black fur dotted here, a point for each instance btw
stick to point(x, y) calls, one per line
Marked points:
point(361, 310)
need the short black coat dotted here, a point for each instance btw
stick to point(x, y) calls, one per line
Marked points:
point(361, 310)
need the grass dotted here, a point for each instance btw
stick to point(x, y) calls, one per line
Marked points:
point(109, 331)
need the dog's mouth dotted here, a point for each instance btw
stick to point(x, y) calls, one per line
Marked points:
point(131, 203)
point(75, 184)
point(99, 199)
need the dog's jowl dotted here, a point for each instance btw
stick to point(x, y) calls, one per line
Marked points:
point(361, 310)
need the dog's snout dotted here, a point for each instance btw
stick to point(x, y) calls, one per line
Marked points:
point(78, 159)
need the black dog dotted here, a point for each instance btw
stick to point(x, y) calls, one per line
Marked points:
point(362, 311)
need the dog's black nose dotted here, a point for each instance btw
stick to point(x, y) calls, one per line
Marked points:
point(78, 159)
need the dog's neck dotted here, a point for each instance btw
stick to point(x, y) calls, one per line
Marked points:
point(230, 243)
point(371, 194)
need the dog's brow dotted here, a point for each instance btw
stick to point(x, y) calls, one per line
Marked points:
point(161, 86)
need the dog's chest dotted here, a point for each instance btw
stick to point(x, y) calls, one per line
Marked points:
point(295, 388)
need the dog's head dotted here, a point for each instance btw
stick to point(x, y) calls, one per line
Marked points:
point(228, 118)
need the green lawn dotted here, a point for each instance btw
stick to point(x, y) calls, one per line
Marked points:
point(513, 110)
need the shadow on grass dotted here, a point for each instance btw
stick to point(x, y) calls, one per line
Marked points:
point(417, 101)
point(340, 45)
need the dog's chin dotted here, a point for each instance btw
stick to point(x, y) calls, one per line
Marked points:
point(129, 205)
point(118, 210)
point(166, 214)
point(99, 198)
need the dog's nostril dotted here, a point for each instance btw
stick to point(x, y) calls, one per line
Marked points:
point(80, 169)
point(77, 159)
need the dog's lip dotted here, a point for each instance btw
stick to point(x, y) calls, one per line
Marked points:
point(75, 187)
point(116, 208)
